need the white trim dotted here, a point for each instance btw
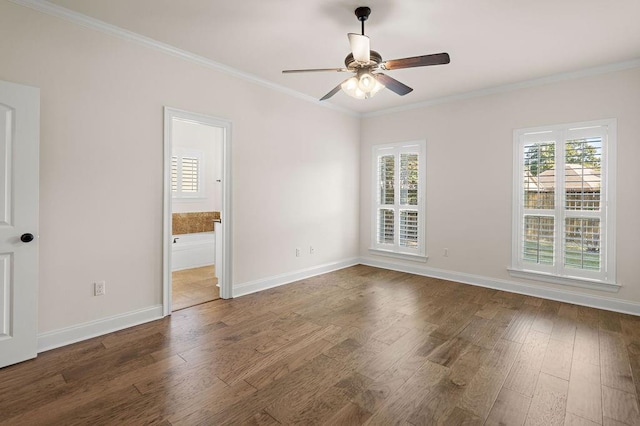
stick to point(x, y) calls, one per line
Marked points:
point(406, 256)
point(76, 333)
point(562, 280)
point(225, 272)
point(96, 24)
point(554, 78)
point(560, 295)
point(289, 277)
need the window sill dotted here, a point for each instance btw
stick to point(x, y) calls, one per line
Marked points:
point(405, 256)
point(571, 281)
point(193, 199)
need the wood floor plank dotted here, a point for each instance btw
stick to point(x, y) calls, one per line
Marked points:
point(524, 374)
point(510, 408)
point(587, 345)
point(399, 406)
point(609, 321)
point(564, 329)
point(519, 326)
point(557, 359)
point(573, 420)
point(350, 414)
point(295, 389)
point(585, 391)
point(295, 356)
point(547, 314)
point(615, 364)
point(548, 406)
point(620, 406)
point(460, 417)
point(361, 345)
point(322, 408)
point(444, 397)
point(483, 389)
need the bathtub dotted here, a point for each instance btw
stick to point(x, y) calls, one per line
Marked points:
point(193, 250)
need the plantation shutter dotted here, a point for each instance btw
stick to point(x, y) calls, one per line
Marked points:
point(398, 219)
point(190, 174)
point(186, 173)
point(174, 174)
point(539, 192)
point(583, 194)
point(561, 205)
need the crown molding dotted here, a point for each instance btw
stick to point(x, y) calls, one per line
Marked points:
point(604, 69)
point(95, 24)
point(113, 30)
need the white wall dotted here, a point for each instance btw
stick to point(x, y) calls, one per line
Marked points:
point(469, 171)
point(208, 140)
point(295, 166)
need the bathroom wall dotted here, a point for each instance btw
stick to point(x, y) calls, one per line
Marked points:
point(207, 140)
point(189, 223)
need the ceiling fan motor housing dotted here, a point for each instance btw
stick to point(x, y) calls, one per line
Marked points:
point(353, 65)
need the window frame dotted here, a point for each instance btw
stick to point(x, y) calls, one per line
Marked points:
point(558, 273)
point(180, 153)
point(396, 250)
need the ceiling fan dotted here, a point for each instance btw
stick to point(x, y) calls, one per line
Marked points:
point(367, 65)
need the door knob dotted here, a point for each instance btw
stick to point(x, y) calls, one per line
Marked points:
point(26, 238)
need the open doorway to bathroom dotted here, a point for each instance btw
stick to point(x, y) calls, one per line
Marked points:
point(196, 205)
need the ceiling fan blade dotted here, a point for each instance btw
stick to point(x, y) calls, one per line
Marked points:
point(393, 84)
point(417, 61)
point(316, 70)
point(333, 91)
point(360, 47)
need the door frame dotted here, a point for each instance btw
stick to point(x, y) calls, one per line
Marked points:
point(225, 275)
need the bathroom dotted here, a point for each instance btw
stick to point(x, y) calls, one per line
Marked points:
point(196, 200)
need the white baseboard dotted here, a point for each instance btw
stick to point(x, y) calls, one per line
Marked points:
point(561, 295)
point(76, 333)
point(66, 336)
point(278, 280)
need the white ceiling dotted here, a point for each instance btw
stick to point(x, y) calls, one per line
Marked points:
point(491, 42)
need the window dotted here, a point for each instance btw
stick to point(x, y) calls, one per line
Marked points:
point(398, 213)
point(186, 174)
point(564, 202)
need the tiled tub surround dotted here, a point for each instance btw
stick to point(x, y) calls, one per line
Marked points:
point(191, 223)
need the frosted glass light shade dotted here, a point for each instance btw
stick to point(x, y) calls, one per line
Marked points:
point(363, 86)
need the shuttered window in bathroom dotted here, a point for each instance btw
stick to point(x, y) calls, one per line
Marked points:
point(186, 174)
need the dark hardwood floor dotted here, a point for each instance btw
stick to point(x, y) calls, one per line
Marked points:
point(357, 346)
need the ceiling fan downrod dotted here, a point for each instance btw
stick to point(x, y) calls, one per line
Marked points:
point(362, 13)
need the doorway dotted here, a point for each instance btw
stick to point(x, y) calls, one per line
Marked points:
point(197, 204)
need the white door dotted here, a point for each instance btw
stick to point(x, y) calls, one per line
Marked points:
point(19, 146)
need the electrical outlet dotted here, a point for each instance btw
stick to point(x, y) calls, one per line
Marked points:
point(446, 252)
point(99, 288)
point(311, 250)
point(297, 252)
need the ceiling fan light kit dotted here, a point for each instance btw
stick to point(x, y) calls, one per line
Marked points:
point(366, 64)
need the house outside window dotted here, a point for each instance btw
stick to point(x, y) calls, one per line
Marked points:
point(398, 213)
point(564, 201)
